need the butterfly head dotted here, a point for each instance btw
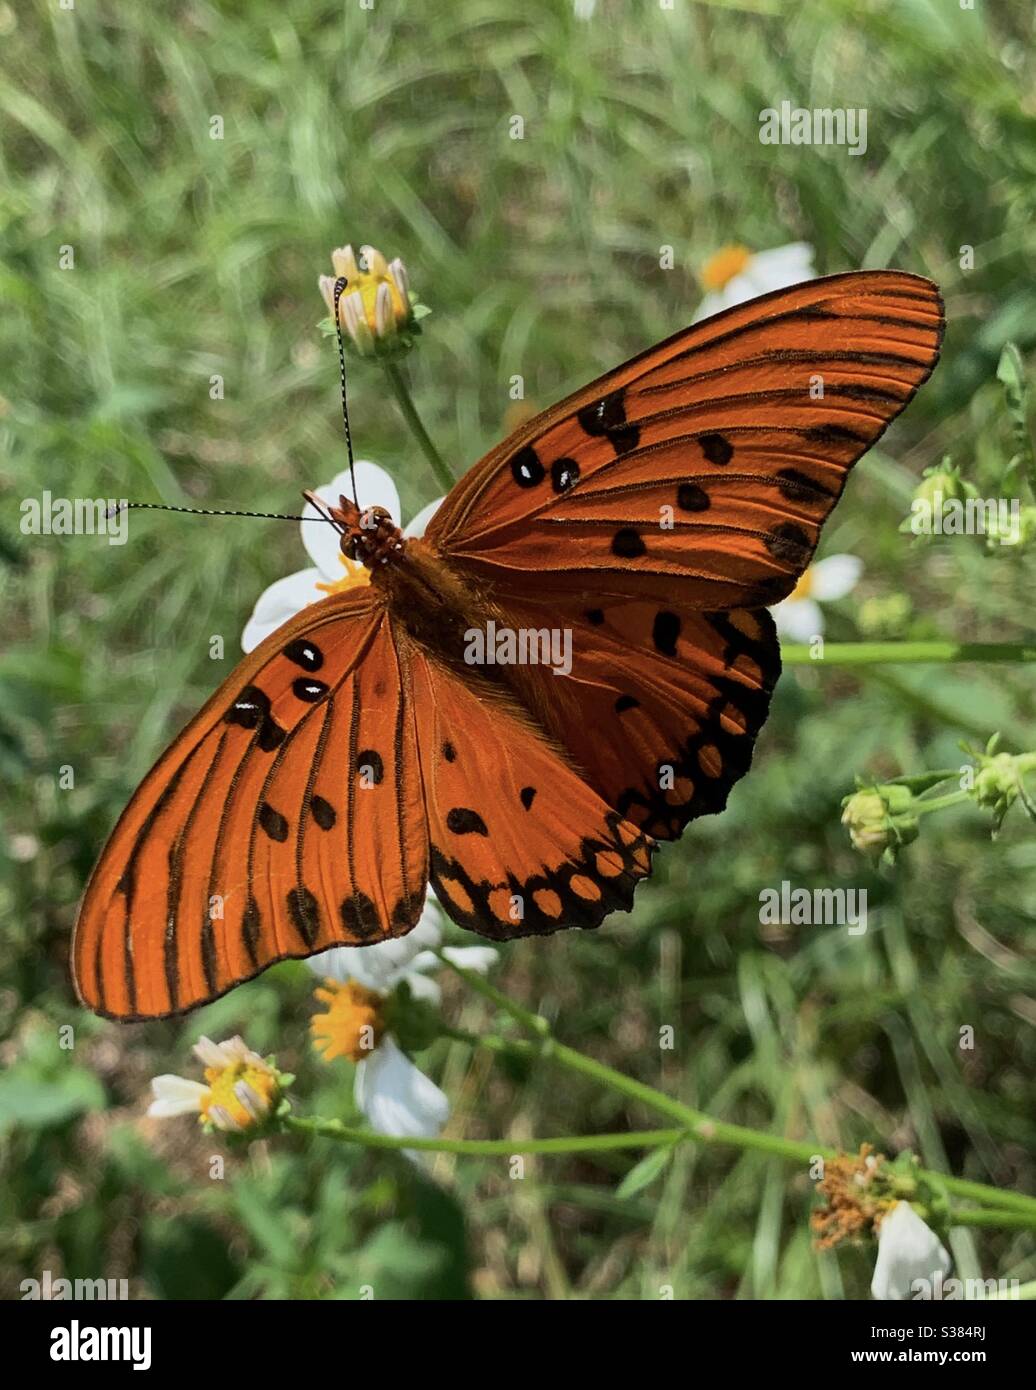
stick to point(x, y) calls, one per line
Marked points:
point(368, 535)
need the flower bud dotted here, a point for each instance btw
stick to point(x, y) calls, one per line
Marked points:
point(878, 818)
point(375, 308)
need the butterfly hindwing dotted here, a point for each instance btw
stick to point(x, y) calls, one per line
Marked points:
point(286, 818)
point(662, 705)
point(520, 844)
point(707, 463)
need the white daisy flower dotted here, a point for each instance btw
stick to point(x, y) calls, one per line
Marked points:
point(395, 1095)
point(799, 616)
point(331, 571)
point(735, 274)
point(240, 1093)
point(908, 1250)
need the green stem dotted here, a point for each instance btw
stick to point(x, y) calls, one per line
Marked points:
point(1001, 1220)
point(567, 1144)
point(696, 1123)
point(533, 1023)
point(405, 402)
point(938, 803)
point(878, 653)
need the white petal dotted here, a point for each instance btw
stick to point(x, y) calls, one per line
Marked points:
point(908, 1249)
point(396, 1097)
point(423, 987)
point(711, 304)
point(344, 262)
point(175, 1095)
point(479, 959)
point(382, 965)
point(834, 577)
point(210, 1054)
point(281, 601)
point(398, 272)
point(326, 284)
point(798, 619)
point(384, 317)
point(374, 488)
point(419, 525)
point(784, 265)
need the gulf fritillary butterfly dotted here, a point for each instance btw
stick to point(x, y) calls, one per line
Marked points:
point(507, 785)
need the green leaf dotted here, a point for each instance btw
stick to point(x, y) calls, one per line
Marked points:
point(642, 1174)
point(1011, 372)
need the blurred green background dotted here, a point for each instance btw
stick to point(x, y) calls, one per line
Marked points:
point(538, 256)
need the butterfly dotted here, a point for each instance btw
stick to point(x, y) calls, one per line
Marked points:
point(355, 756)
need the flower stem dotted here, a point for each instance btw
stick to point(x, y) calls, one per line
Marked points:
point(696, 1124)
point(879, 653)
point(566, 1144)
point(406, 404)
point(1002, 1220)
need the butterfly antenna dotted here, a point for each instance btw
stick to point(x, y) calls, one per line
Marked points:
point(340, 285)
point(118, 507)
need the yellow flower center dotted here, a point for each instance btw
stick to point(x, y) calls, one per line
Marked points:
point(354, 1023)
point(222, 1083)
point(356, 573)
point(720, 269)
point(364, 280)
point(804, 587)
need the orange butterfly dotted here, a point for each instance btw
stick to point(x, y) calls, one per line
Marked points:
point(655, 514)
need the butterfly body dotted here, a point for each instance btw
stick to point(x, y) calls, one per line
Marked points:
point(361, 753)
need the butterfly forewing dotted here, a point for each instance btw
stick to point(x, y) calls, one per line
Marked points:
point(286, 818)
point(705, 467)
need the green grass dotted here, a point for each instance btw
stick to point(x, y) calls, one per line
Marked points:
point(538, 257)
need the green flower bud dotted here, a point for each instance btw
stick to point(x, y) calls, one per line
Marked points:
point(878, 818)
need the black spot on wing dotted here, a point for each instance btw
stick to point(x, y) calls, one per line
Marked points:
point(360, 916)
point(323, 812)
point(304, 913)
point(273, 823)
point(607, 418)
point(797, 486)
point(251, 710)
point(463, 821)
point(628, 544)
point(309, 690)
point(526, 468)
point(564, 474)
point(305, 654)
point(665, 630)
point(692, 498)
point(716, 449)
point(371, 767)
point(789, 544)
